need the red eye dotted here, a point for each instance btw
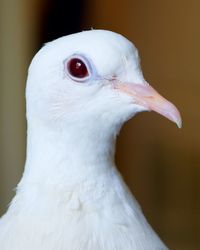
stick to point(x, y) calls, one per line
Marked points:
point(77, 68)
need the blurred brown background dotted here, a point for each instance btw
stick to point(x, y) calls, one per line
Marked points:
point(160, 163)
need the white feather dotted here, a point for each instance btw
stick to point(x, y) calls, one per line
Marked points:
point(71, 196)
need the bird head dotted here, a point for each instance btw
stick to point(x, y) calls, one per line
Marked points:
point(91, 76)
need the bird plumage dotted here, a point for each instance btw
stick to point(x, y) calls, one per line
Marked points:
point(71, 196)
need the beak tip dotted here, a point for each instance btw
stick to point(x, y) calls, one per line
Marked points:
point(177, 119)
point(179, 123)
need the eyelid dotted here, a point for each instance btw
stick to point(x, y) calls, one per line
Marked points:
point(92, 72)
point(82, 58)
point(85, 61)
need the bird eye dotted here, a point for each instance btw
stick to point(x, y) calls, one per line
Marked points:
point(77, 68)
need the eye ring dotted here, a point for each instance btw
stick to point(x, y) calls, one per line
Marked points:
point(78, 68)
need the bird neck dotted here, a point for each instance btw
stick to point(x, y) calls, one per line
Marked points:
point(70, 155)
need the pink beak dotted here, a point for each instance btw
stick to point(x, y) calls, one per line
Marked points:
point(146, 96)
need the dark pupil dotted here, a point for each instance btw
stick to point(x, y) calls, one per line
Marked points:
point(77, 68)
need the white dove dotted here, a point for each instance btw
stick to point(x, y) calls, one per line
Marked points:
point(80, 90)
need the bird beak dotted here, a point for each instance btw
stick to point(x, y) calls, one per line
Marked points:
point(148, 97)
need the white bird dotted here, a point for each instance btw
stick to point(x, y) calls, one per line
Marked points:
point(80, 90)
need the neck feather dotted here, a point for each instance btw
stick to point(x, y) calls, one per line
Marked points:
point(68, 156)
